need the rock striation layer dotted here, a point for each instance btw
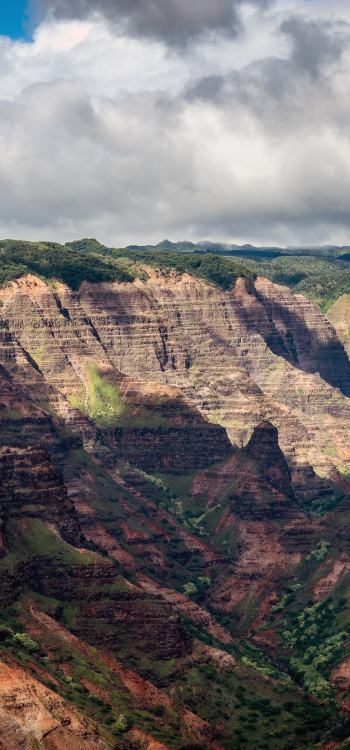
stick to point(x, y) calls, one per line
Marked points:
point(255, 353)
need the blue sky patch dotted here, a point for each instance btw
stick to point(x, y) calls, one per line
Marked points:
point(14, 19)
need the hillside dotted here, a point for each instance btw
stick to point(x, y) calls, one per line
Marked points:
point(174, 503)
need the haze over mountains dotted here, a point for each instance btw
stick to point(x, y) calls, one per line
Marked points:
point(247, 249)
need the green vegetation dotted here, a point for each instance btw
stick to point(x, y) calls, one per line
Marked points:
point(30, 536)
point(322, 274)
point(121, 725)
point(319, 506)
point(222, 272)
point(288, 597)
point(24, 641)
point(87, 260)
point(263, 669)
point(102, 401)
point(86, 245)
point(319, 553)
point(257, 711)
point(313, 638)
point(190, 588)
point(197, 589)
point(52, 261)
point(326, 288)
point(321, 279)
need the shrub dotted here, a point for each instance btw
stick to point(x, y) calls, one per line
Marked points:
point(319, 553)
point(24, 641)
point(121, 725)
point(190, 588)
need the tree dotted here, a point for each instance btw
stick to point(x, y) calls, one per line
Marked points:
point(190, 588)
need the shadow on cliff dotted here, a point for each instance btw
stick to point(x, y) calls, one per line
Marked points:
point(310, 349)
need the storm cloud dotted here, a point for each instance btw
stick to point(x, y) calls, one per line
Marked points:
point(175, 21)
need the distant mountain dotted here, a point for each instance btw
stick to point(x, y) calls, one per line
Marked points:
point(167, 246)
point(247, 250)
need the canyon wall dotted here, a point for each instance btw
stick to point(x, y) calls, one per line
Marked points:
point(239, 357)
point(173, 466)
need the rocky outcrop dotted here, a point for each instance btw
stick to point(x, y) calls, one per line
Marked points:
point(263, 447)
point(230, 352)
point(256, 481)
point(161, 431)
point(190, 609)
point(109, 611)
point(144, 625)
point(340, 676)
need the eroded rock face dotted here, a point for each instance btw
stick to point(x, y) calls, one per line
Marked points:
point(30, 483)
point(186, 362)
point(255, 353)
point(32, 715)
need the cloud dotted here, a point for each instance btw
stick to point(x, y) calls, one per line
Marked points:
point(314, 43)
point(94, 142)
point(314, 48)
point(174, 21)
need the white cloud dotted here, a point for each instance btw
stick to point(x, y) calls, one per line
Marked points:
point(121, 138)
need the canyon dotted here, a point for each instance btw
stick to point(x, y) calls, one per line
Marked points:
point(174, 515)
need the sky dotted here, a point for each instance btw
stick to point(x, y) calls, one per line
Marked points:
point(13, 18)
point(136, 120)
